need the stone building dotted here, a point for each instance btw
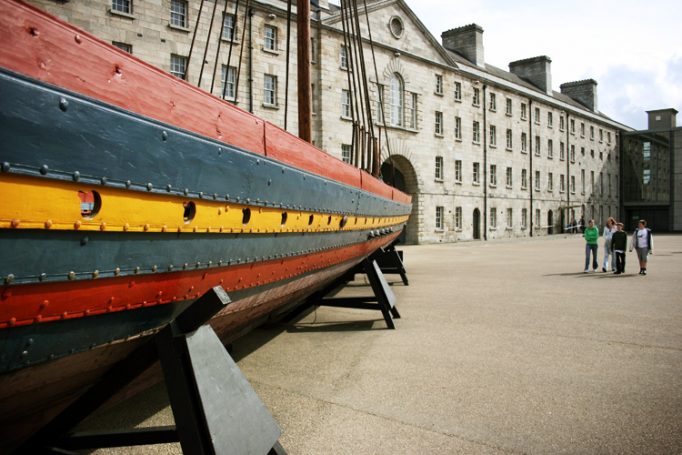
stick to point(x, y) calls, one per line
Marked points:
point(486, 153)
point(652, 173)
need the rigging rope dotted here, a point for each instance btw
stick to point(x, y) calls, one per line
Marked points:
point(229, 54)
point(194, 36)
point(286, 83)
point(241, 50)
point(217, 52)
point(210, 28)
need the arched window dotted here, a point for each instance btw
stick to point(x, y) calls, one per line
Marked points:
point(397, 99)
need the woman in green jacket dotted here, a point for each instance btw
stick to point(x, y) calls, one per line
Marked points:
point(591, 236)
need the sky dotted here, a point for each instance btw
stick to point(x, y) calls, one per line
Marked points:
point(632, 48)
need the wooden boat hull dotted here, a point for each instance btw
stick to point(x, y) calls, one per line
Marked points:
point(128, 193)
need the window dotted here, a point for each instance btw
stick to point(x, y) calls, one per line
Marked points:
point(601, 183)
point(608, 137)
point(345, 104)
point(572, 126)
point(270, 38)
point(582, 129)
point(439, 168)
point(178, 13)
point(493, 102)
point(397, 96)
point(510, 219)
point(524, 218)
point(346, 152)
point(573, 184)
point(227, 81)
point(439, 84)
point(380, 104)
point(524, 179)
point(509, 139)
point(582, 180)
point(550, 149)
point(270, 90)
point(458, 171)
point(538, 218)
point(537, 180)
point(493, 217)
point(572, 153)
point(458, 128)
point(562, 183)
point(123, 46)
point(592, 153)
point(524, 143)
point(646, 151)
point(493, 175)
point(537, 145)
point(609, 181)
point(509, 178)
point(411, 110)
point(550, 182)
point(537, 115)
point(343, 57)
point(477, 174)
point(477, 132)
point(439, 123)
point(550, 120)
point(593, 188)
point(562, 123)
point(493, 136)
point(458, 91)
point(229, 27)
point(122, 6)
point(601, 135)
point(458, 217)
point(582, 151)
point(508, 109)
point(313, 50)
point(591, 132)
point(477, 97)
point(601, 156)
point(178, 65)
point(439, 218)
point(524, 112)
point(562, 151)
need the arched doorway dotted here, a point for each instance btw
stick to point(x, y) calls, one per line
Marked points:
point(398, 172)
point(477, 224)
point(550, 222)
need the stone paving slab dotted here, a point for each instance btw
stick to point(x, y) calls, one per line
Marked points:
point(503, 347)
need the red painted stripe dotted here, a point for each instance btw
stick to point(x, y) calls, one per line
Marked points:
point(43, 47)
point(45, 302)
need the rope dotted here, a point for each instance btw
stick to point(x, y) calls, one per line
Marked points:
point(241, 51)
point(229, 54)
point(210, 28)
point(217, 52)
point(194, 36)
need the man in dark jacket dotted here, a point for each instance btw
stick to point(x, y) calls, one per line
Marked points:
point(619, 243)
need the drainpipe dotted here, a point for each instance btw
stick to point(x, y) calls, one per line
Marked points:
point(251, 60)
point(530, 155)
point(484, 131)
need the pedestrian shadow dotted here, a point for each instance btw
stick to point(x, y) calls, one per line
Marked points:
point(344, 326)
point(592, 274)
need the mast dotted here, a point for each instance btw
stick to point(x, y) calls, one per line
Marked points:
point(303, 60)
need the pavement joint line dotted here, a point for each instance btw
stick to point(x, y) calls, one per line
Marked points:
point(391, 419)
point(598, 340)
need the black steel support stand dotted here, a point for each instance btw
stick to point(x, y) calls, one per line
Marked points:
point(383, 298)
point(215, 409)
point(390, 261)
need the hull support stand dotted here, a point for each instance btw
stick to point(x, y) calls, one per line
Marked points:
point(390, 261)
point(383, 298)
point(215, 409)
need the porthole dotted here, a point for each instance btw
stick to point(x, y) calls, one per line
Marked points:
point(91, 204)
point(329, 220)
point(310, 219)
point(246, 216)
point(395, 24)
point(284, 218)
point(344, 220)
point(189, 212)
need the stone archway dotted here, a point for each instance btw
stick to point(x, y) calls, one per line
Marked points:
point(398, 172)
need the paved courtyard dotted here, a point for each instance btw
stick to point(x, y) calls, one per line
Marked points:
point(503, 347)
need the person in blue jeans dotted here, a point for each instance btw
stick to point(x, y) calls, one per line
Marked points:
point(591, 236)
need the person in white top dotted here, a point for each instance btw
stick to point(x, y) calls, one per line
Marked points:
point(643, 243)
point(609, 229)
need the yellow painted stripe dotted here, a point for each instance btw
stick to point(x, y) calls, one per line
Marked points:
point(34, 203)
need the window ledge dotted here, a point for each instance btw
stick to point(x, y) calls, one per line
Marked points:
point(524, 118)
point(493, 185)
point(458, 100)
point(121, 14)
point(509, 228)
point(476, 105)
point(525, 152)
point(492, 228)
point(492, 110)
point(509, 187)
point(476, 183)
point(550, 157)
point(179, 28)
point(233, 41)
point(437, 180)
point(439, 135)
point(273, 107)
point(509, 149)
point(523, 228)
point(458, 182)
point(347, 119)
point(476, 143)
point(439, 230)
point(550, 126)
point(438, 93)
point(458, 139)
point(458, 229)
point(508, 114)
point(269, 51)
point(493, 146)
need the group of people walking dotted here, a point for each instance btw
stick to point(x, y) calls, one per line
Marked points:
point(615, 245)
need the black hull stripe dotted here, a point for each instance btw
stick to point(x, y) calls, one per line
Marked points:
point(32, 256)
point(49, 132)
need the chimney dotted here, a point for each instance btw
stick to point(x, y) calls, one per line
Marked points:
point(536, 70)
point(466, 41)
point(662, 119)
point(584, 92)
